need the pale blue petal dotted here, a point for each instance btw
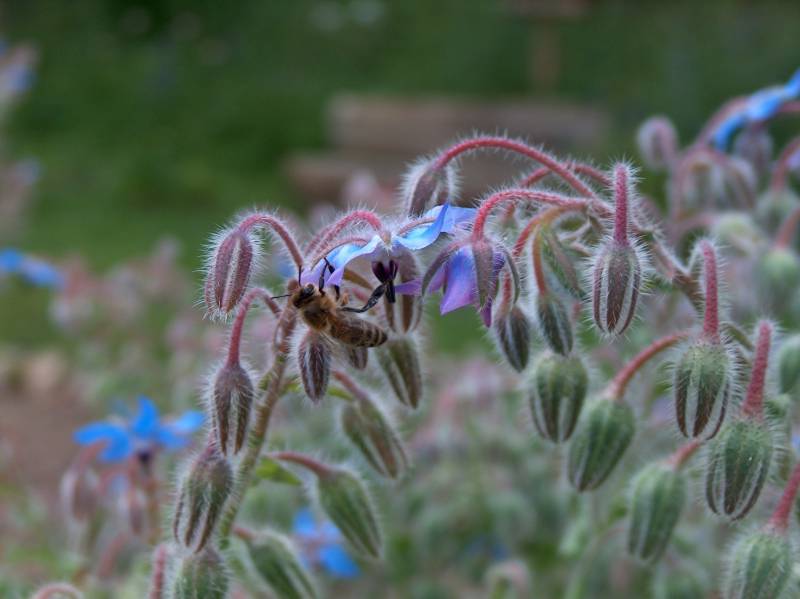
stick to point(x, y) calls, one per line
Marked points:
point(10, 260)
point(335, 560)
point(187, 423)
point(98, 431)
point(145, 424)
point(304, 524)
point(460, 286)
point(448, 218)
point(119, 449)
point(346, 254)
point(793, 85)
point(169, 439)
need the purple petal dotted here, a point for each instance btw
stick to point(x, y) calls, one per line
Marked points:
point(412, 287)
point(460, 288)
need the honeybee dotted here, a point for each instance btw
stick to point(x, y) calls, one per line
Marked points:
point(325, 313)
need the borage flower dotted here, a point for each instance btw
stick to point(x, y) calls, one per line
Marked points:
point(756, 108)
point(140, 434)
point(34, 271)
point(388, 251)
point(321, 545)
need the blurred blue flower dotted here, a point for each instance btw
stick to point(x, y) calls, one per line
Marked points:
point(446, 219)
point(322, 545)
point(143, 431)
point(35, 271)
point(759, 107)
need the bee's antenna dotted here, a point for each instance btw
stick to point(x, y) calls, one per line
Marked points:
point(280, 296)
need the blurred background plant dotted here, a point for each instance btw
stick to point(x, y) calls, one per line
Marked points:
point(150, 123)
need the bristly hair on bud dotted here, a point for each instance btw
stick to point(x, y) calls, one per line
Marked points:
point(272, 559)
point(201, 576)
point(202, 495)
point(314, 364)
point(617, 266)
point(512, 335)
point(556, 389)
point(759, 566)
point(428, 183)
point(552, 318)
point(399, 361)
point(658, 143)
point(231, 262)
point(604, 432)
point(232, 397)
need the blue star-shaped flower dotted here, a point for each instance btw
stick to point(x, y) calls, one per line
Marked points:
point(757, 108)
point(446, 219)
point(140, 432)
point(322, 544)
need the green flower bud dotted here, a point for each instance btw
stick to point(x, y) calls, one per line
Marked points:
point(738, 464)
point(789, 364)
point(556, 389)
point(659, 493)
point(399, 361)
point(774, 206)
point(512, 335)
point(701, 385)
point(779, 273)
point(232, 398)
point(559, 268)
point(737, 230)
point(344, 498)
point(201, 576)
point(760, 565)
point(202, 496)
point(603, 434)
point(274, 561)
point(509, 580)
point(554, 322)
point(616, 281)
point(371, 432)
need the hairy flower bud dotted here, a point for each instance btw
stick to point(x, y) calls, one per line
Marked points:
point(703, 182)
point(774, 205)
point(604, 432)
point(556, 389)
point(615, 287)
point(427, 185)
point(789, 364)
point(344, 498)
point(203, 493)
point(314, 364)
point(372, 433)
point(233, 397)
point(658, 142)
point(657, 499)
point(230, 268)
point(760, 565)
point(357, 357)
point(399, 361)
point(738, 464)
point(274, 561)
point(512, 335)
point(754, 144)
point(554, 323)
point(487, 260)
point(201, 576)
point(559, 268)
point(701, 385)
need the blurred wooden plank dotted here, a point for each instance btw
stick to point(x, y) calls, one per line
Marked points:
point(419, 126)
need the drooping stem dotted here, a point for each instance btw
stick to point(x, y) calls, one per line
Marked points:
point(578, 167)
point(329, 233)
point(279, 228)
point(522, 195)
point(753, 404)
point(350, 385)
point(621, 202)
point(538, 270)
point(779, 521)
point(274, 384)
point(619, 384)
point(780, 174)
point(678, 459)
point(543, 158)
point(304, 460)
point(711, 305)
point(235, 341)
point(785, 234)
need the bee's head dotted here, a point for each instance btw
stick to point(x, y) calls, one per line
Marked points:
point(305, 294)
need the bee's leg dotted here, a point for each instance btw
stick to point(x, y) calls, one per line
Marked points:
point(373, 299)
point(336, 288)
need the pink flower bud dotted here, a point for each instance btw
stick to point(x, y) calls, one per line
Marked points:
point(231, 265)
point(615, 287)
point(233, 396)
point(658, 142)
point(314, 364)
point(427, 185)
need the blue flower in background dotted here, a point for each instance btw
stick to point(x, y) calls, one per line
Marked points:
point(35, 271)
point(446, 219)
point(322, 545)
point(143, 431)
point(759, 107)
